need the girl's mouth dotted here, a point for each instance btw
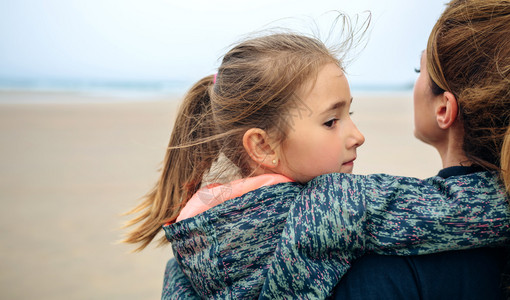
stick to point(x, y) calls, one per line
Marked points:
point(349, 163)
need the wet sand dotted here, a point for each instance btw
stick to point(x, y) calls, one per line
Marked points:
point(71, 165)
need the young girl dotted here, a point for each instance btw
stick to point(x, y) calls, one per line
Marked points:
point(268, 111)
point(275, 116)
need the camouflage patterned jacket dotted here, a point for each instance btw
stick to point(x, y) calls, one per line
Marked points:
point(294, 241)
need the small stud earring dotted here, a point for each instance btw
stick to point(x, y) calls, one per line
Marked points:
point(274, 161)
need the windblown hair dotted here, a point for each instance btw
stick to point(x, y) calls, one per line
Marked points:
point(505, 160)
point(468, 55)
point(255, 85)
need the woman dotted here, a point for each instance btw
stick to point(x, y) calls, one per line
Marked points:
point(462, 108)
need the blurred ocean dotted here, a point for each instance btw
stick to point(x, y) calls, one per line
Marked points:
point(117, 89)
point(143, 89)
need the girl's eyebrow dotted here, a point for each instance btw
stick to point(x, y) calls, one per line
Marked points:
point(335, 106)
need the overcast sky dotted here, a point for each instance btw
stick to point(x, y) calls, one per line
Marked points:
point(144, 40)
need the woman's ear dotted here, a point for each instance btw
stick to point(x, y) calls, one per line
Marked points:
point(447, 110)
point(257, 144)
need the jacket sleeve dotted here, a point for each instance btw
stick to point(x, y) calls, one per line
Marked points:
point(339, 217)
point(176, 285)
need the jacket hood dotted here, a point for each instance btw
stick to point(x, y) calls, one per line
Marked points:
point(229, 247)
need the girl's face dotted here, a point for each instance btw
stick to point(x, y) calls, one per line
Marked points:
point(321, 136)
point(425, 125)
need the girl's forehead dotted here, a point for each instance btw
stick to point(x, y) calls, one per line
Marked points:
point(332, 69)
point(330, 87)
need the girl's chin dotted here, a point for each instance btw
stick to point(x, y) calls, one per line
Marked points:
point(347, 168)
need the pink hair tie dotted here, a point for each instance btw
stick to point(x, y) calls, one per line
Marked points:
point(214, 80)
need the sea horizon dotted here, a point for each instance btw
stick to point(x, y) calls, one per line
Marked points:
point(116, 90)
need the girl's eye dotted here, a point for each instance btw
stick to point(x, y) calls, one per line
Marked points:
point(417, 70)
point(330, 123)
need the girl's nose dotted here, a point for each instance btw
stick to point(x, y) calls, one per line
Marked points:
point(357, 137)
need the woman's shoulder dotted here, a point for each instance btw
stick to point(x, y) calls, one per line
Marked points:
point(473, 274)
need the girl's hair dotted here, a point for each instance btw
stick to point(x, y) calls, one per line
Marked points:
point(255, 87)
point(468, 54)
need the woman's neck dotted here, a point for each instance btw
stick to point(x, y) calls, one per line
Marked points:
point(451, 159)
point(451, 151)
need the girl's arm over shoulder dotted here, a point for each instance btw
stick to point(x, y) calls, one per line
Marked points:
point(339, 217)
point(411, 216)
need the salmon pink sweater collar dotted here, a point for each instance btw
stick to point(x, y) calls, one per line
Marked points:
point(215, 194)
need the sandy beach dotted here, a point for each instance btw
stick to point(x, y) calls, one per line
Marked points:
point(71, 164)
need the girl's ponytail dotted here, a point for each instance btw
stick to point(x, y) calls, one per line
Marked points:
point(505, 160)
point(190, 154)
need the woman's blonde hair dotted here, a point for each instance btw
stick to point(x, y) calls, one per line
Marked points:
point(505, 160)
point(468, 54)
point(255, 85)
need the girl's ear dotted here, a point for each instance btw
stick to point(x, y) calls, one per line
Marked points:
point(447, 110)
point(257, 144)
